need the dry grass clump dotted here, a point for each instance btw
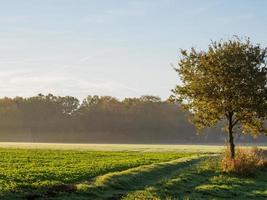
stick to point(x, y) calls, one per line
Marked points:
point(246, 162)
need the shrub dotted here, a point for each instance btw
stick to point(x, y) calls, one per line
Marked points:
point(245, 163)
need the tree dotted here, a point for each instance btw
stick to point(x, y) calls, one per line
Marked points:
point(68, 104)
point(150, 99)
point(227, 82)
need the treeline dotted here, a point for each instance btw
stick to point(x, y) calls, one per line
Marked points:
point(49, 118)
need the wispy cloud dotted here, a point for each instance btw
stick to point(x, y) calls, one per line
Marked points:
point(86, 58)
point(9, 19)
point(28, 83)
point(19, 62)
point(134, 12)
point(44, 31)
point(116, 14)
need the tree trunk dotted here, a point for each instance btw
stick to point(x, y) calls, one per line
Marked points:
point(231, 137)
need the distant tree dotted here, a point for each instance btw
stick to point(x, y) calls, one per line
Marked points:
point(68, 104)
point(227, 82)
point(131, 101)
point(90, 101)
point(9, 113)
point(150, 99)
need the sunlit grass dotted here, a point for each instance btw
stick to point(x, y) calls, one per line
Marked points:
point(113, 171)
point(205, 181)
point(24, 171)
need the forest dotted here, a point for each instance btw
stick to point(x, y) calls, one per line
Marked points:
point(102, 119)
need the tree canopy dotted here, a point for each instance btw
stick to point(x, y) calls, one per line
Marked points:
point(228, 81)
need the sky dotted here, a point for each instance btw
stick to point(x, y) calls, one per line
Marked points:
point(121, 48)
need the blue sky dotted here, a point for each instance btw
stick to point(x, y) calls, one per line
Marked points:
point(119, 48)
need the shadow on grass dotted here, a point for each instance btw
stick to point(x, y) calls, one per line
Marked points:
point(110, 186)
point(235, 187)
point(179, 187)
point(115, 185)
point(197, 183)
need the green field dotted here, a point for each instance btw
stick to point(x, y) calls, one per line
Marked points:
point(66, 171)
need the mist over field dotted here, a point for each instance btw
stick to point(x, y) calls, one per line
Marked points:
point(148, 119)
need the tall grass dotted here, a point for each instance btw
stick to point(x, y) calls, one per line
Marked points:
point(246, 162)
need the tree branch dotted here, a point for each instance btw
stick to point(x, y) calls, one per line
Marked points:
point(235, 121)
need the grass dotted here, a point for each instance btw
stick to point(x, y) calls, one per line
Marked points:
point(130, 172)
point(202, 182)
point(25, 172)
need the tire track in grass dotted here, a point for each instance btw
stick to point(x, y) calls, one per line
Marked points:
point(204, 181)
point(115, 185)
point(30, 174)
point(179, 186)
